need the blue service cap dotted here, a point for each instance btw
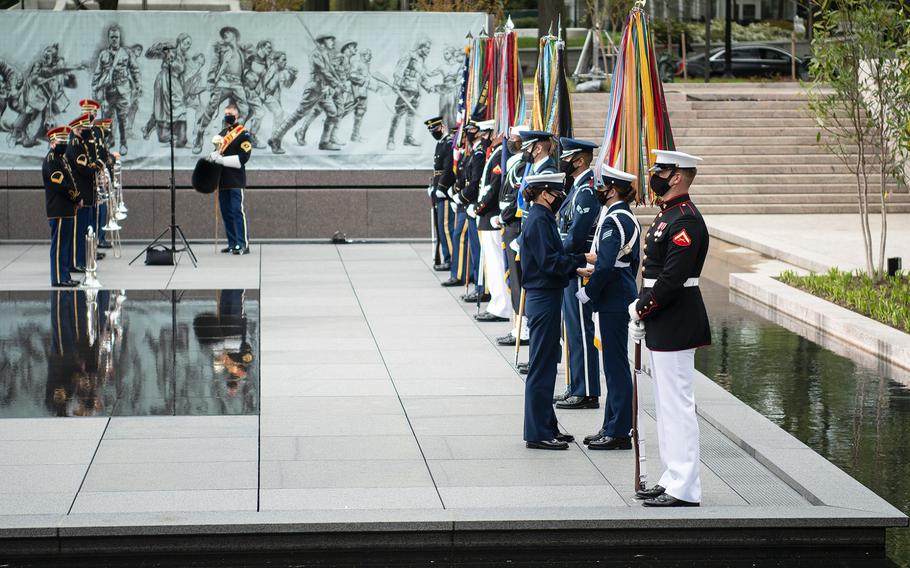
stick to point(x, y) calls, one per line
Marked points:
point(614, 176)
point(572, 146)
point(551, 181)
point(529, 137)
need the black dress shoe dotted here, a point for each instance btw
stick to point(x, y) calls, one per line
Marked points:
point(472, 298)
point(77, 270)
point(600, 434)
point(452, 282)
point(665, 500)
point(445, 266)
point(524, 368)
point(553, 444)
point(567, 438)
point(226, 250)
point(100, 256)
point(66, 284)
point(650, 492)
point(105, 245)
point(578, 402)
point(561, 397)
point(509, 340)
point(487, 316)
point(608, 443)
point(239, 251)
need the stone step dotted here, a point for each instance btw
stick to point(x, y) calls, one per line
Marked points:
point(733, 105)
point(780, 180)
point(780, 209)
point(772, 159)
point(780, 132)
point(737, 149)
point(736, 114)
point(759, 191)
point(745, 123)
point(797, 168)
point(774, 96)
point(790, 199)
point(747, 141)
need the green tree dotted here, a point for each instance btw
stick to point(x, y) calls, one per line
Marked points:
point(858, 68)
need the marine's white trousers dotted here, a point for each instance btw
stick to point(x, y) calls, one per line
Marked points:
point(494, 266)
point(673, 374)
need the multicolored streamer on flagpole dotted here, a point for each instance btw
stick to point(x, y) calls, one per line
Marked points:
point(638, 121)
point(544, 112)
point(510, 101)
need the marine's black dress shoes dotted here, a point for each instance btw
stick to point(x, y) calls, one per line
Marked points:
point(487, 316)
point(452, 282)
point(553, 444)
point(665, 500)
point(442, 267)
point(650, 492)
point(578, 402)
point(608, 443)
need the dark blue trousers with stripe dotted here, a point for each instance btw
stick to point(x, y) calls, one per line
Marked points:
point(543, 309)
point(460, 245)
point(445, 229)
point(614, 333)
point(233, 214)
point(584, 370)
point(85, 218)
point(61, 248)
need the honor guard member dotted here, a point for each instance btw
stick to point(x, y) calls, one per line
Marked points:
point(494, 267)
point(675, 323)
point(61, 200)
point(609, 287)
point(233, 154)
point(464, 256)
point(546, 269)
point(461, 158)
point(103, 135)
point(80, 153)
point(468, 197)
point(443, 178)
point(510, 220)
point(577, 221)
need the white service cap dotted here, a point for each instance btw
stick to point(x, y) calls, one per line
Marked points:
point(666, 159)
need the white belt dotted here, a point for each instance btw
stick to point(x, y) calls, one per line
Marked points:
point(650, 282)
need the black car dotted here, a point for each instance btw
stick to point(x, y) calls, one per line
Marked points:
point(747, 61)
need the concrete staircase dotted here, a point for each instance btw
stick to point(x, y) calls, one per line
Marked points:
point(759, 146)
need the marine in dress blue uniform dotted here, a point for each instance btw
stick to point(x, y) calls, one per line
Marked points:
point(443, 179)
point(546, 269)
point(675, 321)
point(577, 221)
point(233, 154)
point(608, 291)
point(61, 200)
point(83, 161)
point(490, 231)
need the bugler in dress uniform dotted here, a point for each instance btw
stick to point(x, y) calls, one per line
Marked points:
point(675, 323)
point(608, 291)
point(577, 221)
point(81, 153)
point(443, 179)
point(232, 155)
point(61, 200)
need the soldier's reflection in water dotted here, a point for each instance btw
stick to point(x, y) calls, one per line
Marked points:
point(78, 333)
point(225, 333)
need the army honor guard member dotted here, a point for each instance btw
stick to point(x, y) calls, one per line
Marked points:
point(443, 179)
point(609, 287)
point(83, 161)
point(670, 315)
point(61, 200)
point(233, 154)
point(546, 269)
point(577, 222)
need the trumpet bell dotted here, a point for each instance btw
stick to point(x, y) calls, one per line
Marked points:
point(119, 215)
point(122, 208)
point(112, 225)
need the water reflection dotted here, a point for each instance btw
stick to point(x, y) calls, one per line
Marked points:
point(103, 353)
point(856, 416)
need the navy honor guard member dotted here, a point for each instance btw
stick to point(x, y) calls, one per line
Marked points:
point(443, 179)
point(577, 221)
point(546, 269)
point(675, 323)
point(233, 154)
point(609, 288)
point(61, 200)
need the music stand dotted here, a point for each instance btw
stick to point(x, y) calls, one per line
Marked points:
point(174, 228)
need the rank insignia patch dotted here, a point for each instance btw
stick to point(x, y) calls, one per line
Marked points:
point(682, 239)
point(57, 177)
point(246, 146)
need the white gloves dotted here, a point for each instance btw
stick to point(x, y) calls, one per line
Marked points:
point(514, 245)
point(454, 206)
point(429, 191)
point(440, 194)
point(636, 330)
point(216, 157)
point(582, 296)
point(230, 162)
point(451, 193)
point(472, 211)
point(633, 313)
point(496, 222)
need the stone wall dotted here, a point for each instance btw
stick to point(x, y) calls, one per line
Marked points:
point(281, 204)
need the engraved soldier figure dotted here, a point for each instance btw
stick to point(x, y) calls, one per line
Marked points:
point(254, 72)
point(173, 55)
point(361, 84)
point(342, 97)
point(224, 81)
point(410, 77)
point(116, 82)
point(279, 75)
point(41, 96)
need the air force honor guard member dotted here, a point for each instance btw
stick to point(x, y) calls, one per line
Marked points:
point(609, 289)
point(546, 268)
point(577, 221)
point(675, 323)
point(443, 179)
point(61, 199)
point(233, 154)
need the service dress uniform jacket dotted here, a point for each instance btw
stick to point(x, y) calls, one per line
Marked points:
point(443, 179)
point(237, 141)
point(61, 201)
point(546, 270)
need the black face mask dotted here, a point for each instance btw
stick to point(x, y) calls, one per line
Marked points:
point(603, 197)
point(230, 119)
point(566, 167)
point(559, 199)
point(659, 185)
point(526, 156)
point(59, 150)
point(514, 147)
point(437, 134)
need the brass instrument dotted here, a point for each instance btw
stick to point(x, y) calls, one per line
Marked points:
point(114, 198)
point(91, 261)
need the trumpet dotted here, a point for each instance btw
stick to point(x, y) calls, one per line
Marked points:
point(114, 199)
point(91, 261)
point(118, 185)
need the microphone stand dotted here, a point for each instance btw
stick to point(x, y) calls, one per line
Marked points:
point(174, 228)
